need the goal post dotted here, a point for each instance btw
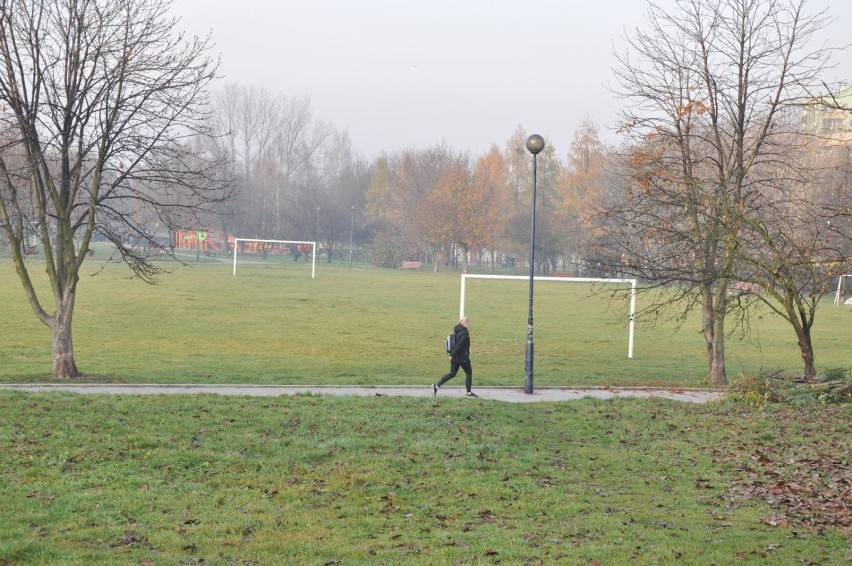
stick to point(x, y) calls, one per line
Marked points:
point(842, 289)
point(278, 242)
point(633, 282)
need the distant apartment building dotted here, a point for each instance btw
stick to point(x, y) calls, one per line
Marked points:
point(829, 117)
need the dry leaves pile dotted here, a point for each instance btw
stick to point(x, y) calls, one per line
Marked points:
point(812, 491)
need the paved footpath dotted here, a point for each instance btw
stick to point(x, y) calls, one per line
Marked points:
point(507, 394)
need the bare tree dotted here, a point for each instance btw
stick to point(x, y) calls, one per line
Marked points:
point(346, 176)
point(518, 166)
point(707, 85)
point(100, 102)
point(278, 149)
point(221, 144)
point(799, 243)
point(244, 121)
point(519, 225)
point(293, 158)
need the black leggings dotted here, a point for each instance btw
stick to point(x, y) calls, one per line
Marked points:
point(454, 369)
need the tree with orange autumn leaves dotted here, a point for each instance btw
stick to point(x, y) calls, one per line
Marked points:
point(439, 204)
point(462, 213)
point(447, 209)
point(580, 192)
point(436, 223)
point(484, 206)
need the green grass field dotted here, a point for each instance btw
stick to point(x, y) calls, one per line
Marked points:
point(272, 323)
point(203, 479)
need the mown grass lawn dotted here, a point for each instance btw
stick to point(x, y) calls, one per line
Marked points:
point(330, 480)
point(274, 324)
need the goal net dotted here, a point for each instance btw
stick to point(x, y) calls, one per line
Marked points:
point(632, 282)
point(271, 253)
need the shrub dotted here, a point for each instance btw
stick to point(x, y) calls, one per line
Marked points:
point(388, 248)
point(834, 386)
point(831, 387)
point(752, 389)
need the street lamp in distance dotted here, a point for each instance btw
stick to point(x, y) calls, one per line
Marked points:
point(318, 211)
point(535, 143)
point(351, 233)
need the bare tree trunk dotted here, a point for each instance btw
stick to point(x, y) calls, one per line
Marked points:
point(716, 354)
point(225, 237)
point(433, 253)
point(465, 267)
point(807, 353)
point(64, 365)
point(803, 334)
point(713, 328)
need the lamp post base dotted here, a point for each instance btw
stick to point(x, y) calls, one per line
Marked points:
point(528, 379)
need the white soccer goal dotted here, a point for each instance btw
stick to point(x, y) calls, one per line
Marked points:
point(842, 289)
point(266, 247)
point(466, 276)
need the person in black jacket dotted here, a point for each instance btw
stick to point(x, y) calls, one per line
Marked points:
point(459, 358)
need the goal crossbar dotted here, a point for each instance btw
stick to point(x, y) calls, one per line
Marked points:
point(633, 282)
point(312, 244)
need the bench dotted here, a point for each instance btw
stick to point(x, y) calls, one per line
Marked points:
point(745, 288)
point(412, 265)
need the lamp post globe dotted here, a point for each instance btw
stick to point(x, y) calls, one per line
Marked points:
point(535, 144)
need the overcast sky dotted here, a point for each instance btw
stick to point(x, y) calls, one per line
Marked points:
point(399, 74)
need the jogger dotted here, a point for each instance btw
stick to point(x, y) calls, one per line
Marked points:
point(459, 358)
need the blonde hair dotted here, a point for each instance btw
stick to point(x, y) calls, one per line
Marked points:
point(464, 321)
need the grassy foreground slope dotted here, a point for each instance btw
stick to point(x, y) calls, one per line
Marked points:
point(328, 480)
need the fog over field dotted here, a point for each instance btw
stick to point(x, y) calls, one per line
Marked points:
point(398, 75)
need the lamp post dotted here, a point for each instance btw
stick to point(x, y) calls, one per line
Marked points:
point(351, 233)
point(535, 143)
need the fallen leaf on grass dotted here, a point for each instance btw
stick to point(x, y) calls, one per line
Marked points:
point(486, 515)
point(776, 521)
point(129, 538)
